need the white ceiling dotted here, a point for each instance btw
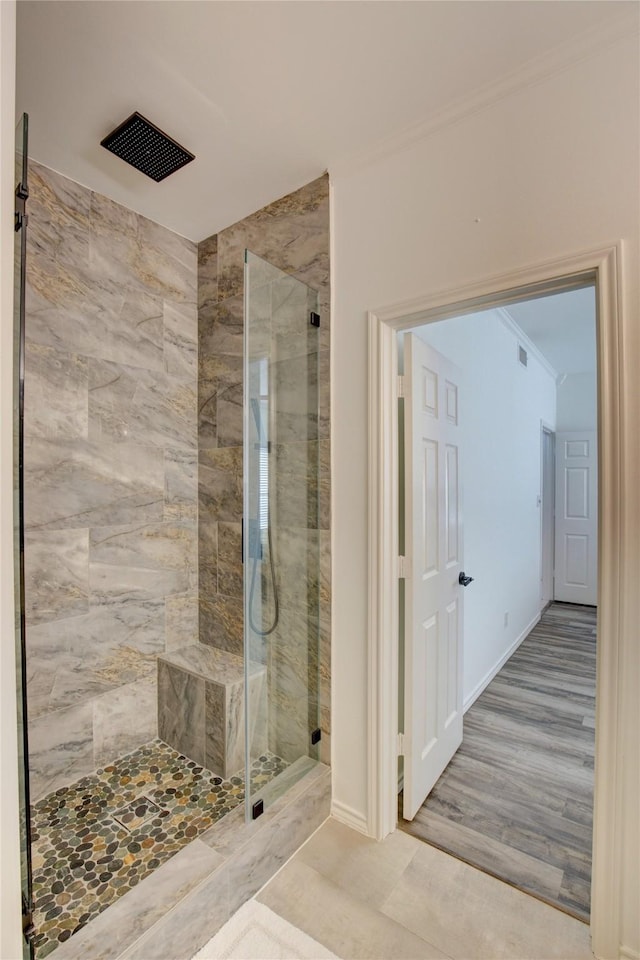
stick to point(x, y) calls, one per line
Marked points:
point(268, 95)
point(563, 328)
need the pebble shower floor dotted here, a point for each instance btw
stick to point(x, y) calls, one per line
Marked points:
point(100, 836)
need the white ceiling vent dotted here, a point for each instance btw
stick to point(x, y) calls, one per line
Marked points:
point(523, 356)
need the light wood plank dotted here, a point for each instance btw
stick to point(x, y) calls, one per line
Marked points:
point(517, 798)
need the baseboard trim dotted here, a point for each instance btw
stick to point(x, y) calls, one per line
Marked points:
point(350, 817)
point(497, 667)
point(626, 953)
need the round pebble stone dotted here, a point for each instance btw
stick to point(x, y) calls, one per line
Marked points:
point(64, 935)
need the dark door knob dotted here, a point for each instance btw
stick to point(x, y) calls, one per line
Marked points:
point(464, 580)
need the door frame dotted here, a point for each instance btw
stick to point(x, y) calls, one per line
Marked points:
point(545, 428)
point(601, 267)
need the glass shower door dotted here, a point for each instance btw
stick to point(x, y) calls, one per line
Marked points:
point(20, 250)
point(281, 538)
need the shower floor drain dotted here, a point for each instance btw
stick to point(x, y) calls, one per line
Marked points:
point(136, 813)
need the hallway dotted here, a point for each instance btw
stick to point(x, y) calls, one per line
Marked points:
point(516, 800)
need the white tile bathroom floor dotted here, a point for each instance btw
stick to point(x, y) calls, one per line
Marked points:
point(404, 899)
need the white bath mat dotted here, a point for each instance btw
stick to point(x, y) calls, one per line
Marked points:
point(257, 933)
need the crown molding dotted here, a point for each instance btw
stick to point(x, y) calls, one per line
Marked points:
point(526, 341)
point(585, 45)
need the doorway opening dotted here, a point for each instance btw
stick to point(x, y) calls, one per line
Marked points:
point(599, 266)
point(510, 643)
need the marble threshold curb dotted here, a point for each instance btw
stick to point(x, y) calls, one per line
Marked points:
point(172, 913)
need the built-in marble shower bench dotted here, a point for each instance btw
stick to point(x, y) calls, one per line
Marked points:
point(201, 706)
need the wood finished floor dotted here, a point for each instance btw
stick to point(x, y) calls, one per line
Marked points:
point(517, 798)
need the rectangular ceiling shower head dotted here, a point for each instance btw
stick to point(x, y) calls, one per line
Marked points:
point(146, 147)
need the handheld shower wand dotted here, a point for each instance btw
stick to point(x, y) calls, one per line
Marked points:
point(255, 543)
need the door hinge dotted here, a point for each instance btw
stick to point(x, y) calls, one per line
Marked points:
point(28, 927)
point(400, 386)
point(401, 744)
point(403, 569)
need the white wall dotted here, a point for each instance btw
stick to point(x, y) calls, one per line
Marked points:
point(577, 402)
point(549, 170)
point(10, 907)
point(502, 404)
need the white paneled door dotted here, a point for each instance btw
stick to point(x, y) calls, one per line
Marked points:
point(576, 573)
point(433, 548)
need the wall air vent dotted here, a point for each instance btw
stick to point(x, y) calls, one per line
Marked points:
point(139, 142)
point(523, 356)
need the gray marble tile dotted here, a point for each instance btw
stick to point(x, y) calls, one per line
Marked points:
point(220, 397)
point(168, 545)
point(167, 262)
point(77, 483)
point(207, 418)
point(112, 220)
point(324, 395)
point(180, 483)
point(142, 406)
point(230, 569)
point(189, 925)
point(181, 340)
point(123, 720)
point(221, 330)
point(60, 748)
point(207, 273)
point(58, 216)
point(258, 707)
point(211, 663)
point(215, 741)
point(295, 241)
point(75, 682)
point(296, 397)
point(56, 574)
point(56, 676)
point(80, 309)
point(297, 552)
point(181, 621)
point(130, 917)
point(207, 540)
point(102, 637)
point(208, 580)
point(221, 623)
point(234, 727)
point(265, 853)
point(116, 584)
point(220, 483)
point(230, 834)
point(56, 393)
point(181, 711)
point(142, 254)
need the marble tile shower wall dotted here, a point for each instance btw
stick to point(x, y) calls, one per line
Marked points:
point(111, 472)
point(292, 234)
